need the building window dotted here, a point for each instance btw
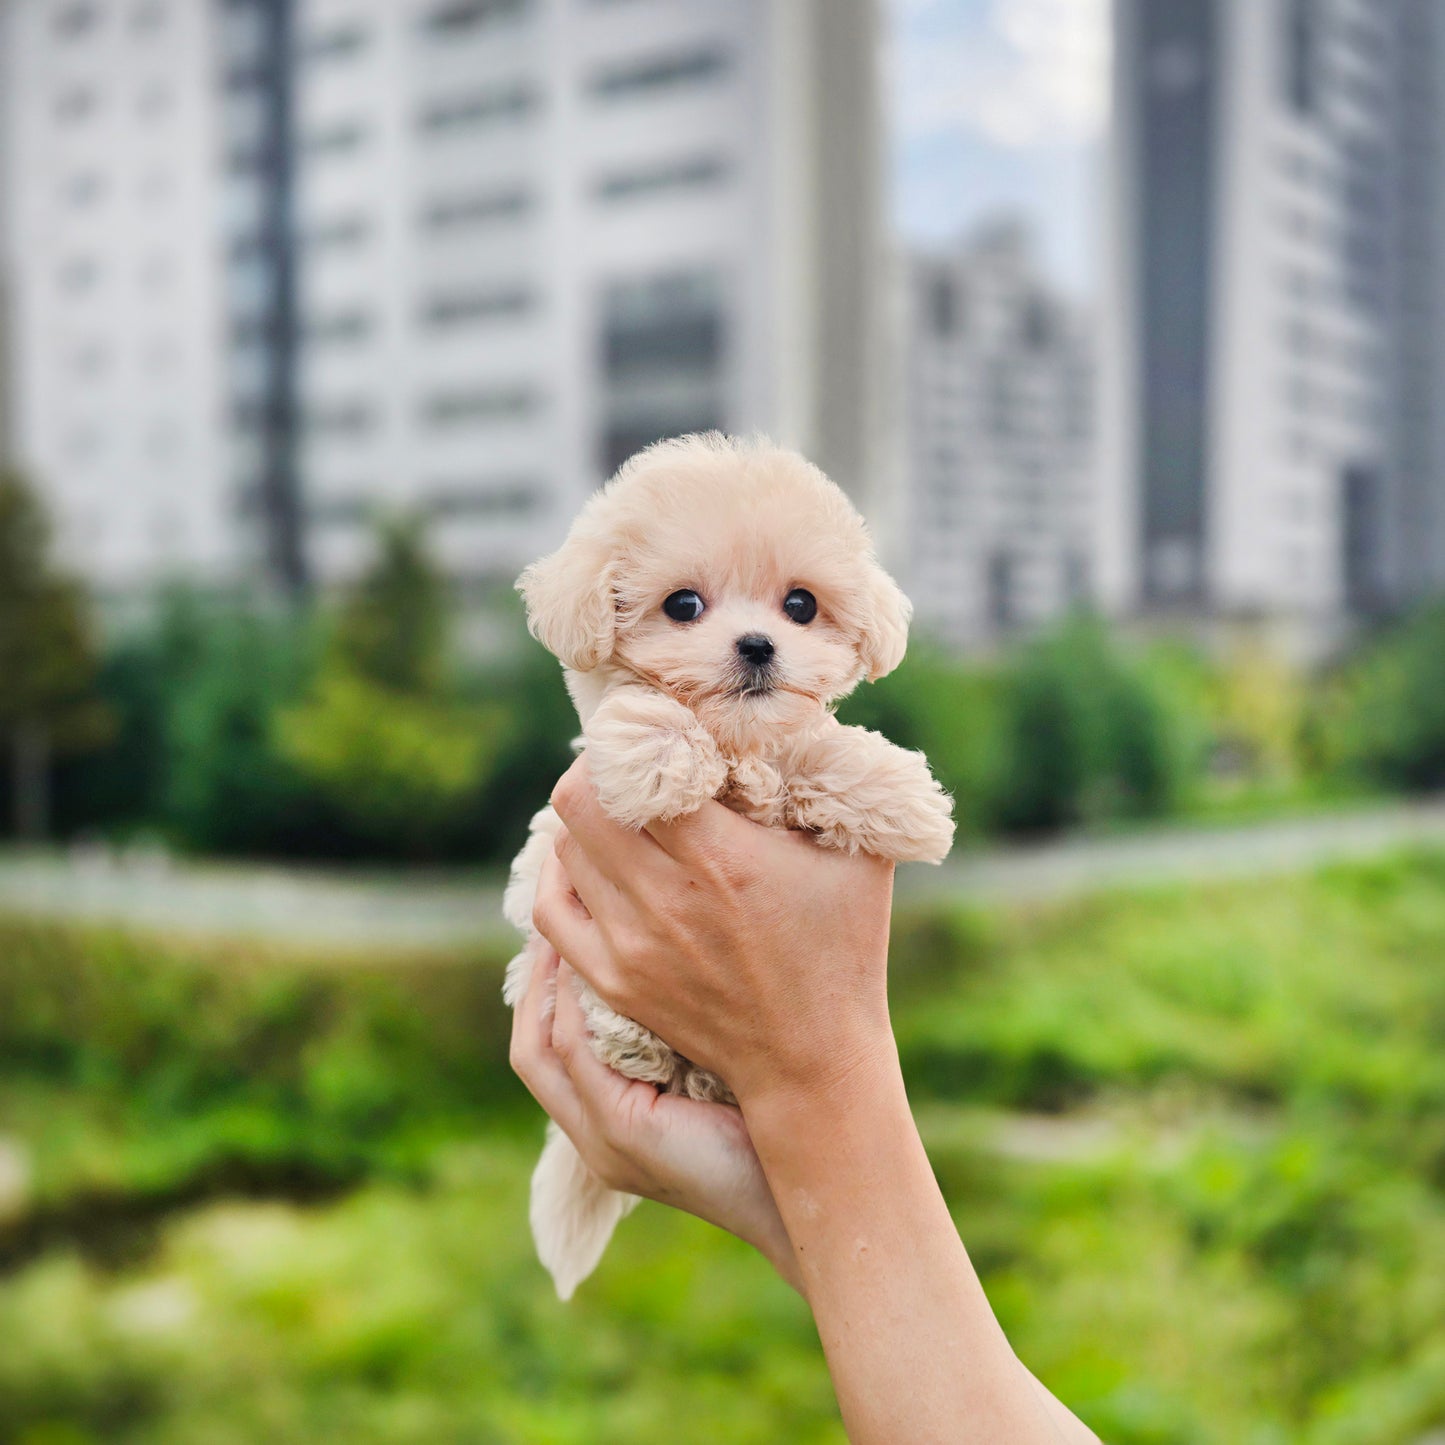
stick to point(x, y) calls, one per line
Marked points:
point(466, 111)
point(339, 419)
point(1002, 584)
point(247, 75)
point(457, 212)
point(1002, 398)
point(1036, 324)
point(658, 72)
point(669, 176)
point(91, 360)
point(461, 407)
point(460, 308)
point(79, 274)
point(663, 324)
point(342, 233)
point(247, 248)
point(663, 358)
point(248, 159)
point(460, 16)
point(340, 327)
point(75, 20)
point(74, 104)
point(335, 139)
point(944, 306)
point(485, 499)
point(334, 44)
point(84, 190)
point(1361, 504)
point(1302, 45)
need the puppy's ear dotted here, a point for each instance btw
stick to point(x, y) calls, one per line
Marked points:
point(884, 637)
point(571, 610)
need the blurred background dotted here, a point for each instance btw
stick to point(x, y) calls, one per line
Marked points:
point(1124, 323)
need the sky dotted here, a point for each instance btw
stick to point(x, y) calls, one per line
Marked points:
point(1000, 105)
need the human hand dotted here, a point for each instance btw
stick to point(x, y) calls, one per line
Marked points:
point(694, 1156)
point(751, 950)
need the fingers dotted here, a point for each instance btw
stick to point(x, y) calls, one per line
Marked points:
point(713, 832)
point(618, 853)
point(533, 1056)
point(561, 917)
point(601, 1090)
point(588, 881)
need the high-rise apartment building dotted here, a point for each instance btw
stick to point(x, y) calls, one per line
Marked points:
point(457, 257)
point(114, 338)
point(1000, 432)
point(1271, 431)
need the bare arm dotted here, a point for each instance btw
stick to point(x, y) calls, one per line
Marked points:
point(762, 956)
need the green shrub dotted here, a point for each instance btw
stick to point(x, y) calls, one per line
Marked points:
point(1085, 735)
point(1385, 716)
point(1191, 1136)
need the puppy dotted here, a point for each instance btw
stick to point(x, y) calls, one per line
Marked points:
point(709, 607)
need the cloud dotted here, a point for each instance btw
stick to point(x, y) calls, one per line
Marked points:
point(1017, 73)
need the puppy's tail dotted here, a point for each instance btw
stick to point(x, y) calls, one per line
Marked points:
point(573, 1213)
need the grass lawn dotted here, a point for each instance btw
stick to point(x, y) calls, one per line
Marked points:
point(1194, 1138)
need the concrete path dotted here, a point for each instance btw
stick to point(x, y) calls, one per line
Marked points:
point(1159, 855)
point(311, 907)
point(427, 910)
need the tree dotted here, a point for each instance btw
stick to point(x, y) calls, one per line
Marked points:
point(393, 628)
point(47, 657)
point(383, 733)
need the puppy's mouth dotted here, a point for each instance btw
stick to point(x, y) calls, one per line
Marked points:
point(752, 680)
point(756, 682)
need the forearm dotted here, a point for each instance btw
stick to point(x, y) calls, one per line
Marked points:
point(912, 1344)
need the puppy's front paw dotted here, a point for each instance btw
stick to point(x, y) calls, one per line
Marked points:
point(645, 771)
point(756, 790)
point(867, 794)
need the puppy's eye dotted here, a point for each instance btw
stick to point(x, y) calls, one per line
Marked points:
point(800, 605)
point(684, 606)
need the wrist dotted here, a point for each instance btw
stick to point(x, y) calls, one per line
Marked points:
point(786, 1115)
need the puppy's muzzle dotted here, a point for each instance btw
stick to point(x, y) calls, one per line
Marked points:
point(755, 654)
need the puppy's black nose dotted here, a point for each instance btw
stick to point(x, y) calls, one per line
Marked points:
point(755, 648)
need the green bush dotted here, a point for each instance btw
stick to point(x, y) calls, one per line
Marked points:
point(205, 1059)
point(1192, 1138)
point(1385, 715)
point(1086, 737)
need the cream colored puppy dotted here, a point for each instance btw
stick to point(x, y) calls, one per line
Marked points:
point(709, 606)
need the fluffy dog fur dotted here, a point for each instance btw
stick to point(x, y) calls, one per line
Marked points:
point(672, 714)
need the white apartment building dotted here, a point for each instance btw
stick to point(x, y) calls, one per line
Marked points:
point(114, 333)
point(1270, 433)
point(1000, 436)
point(454, 256)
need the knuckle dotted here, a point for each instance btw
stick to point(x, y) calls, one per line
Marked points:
point(722, 867)
point(567, 793)
point(520, 1059)
point(611, 986)
point(564, 1045)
